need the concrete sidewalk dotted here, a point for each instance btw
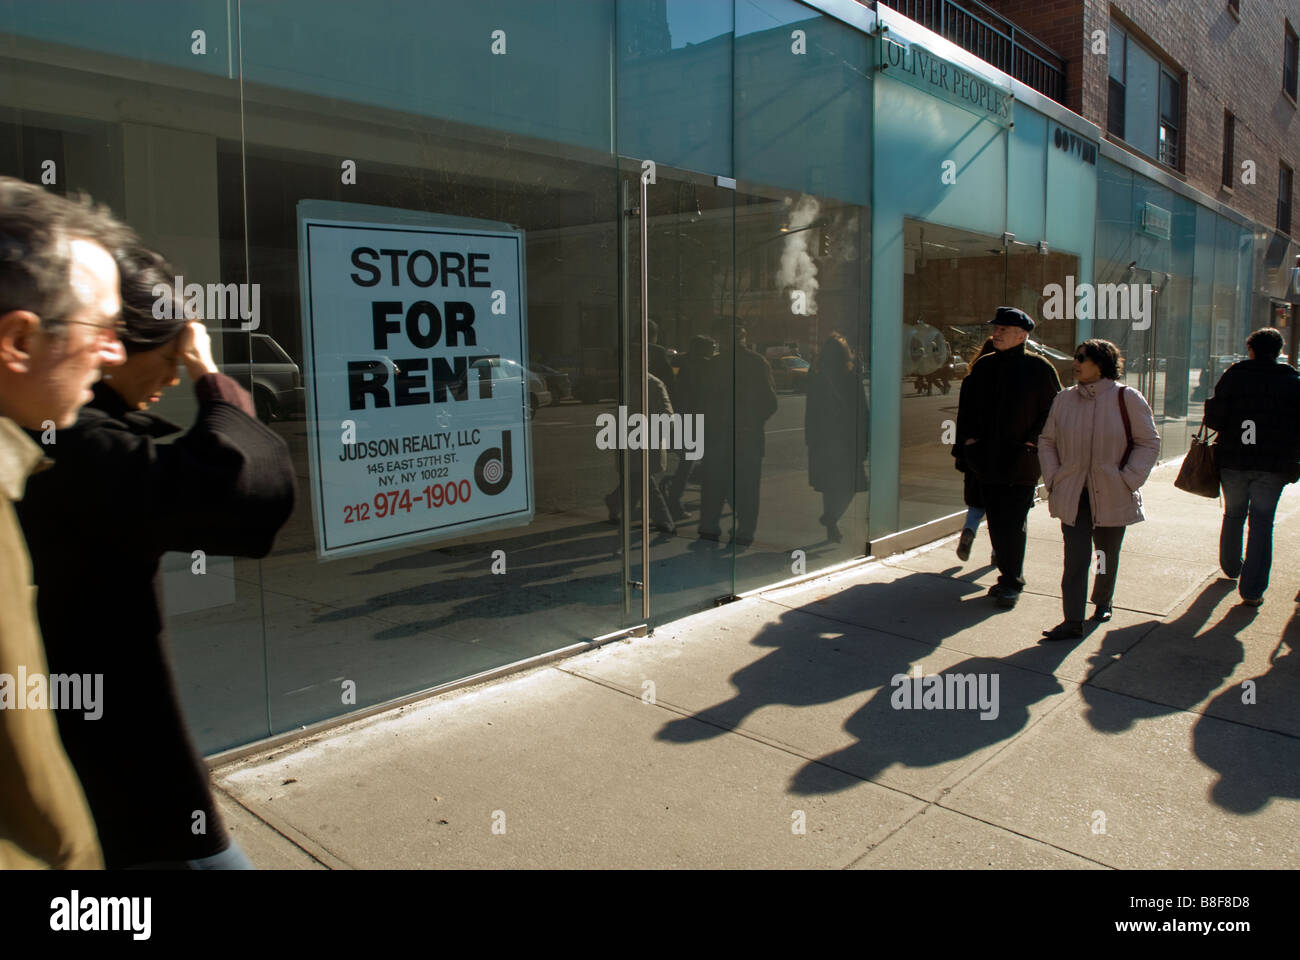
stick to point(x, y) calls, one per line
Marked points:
point(761, 734)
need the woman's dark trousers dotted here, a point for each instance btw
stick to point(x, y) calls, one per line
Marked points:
point(1081, 540)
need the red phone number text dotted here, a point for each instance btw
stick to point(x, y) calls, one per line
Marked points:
point(391, 501)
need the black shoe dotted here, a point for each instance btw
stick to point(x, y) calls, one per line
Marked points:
point(713, 535)
point(1252, 601)
point(1101, 615)
point(1007, 598)
point(1065, 630)
point(739, 540)
point(996, 591)
point(964, 544)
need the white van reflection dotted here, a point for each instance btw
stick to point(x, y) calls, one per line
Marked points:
point(506, 376)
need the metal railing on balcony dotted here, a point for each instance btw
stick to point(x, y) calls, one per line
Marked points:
point(991, 37)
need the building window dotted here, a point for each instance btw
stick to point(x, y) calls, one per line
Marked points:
point(1289, 55)
point(1284, 178)
point(1169, 122)
point(1144, 100)
point(1229, 131)
point(1115, 101)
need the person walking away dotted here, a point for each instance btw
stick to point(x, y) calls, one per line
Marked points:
point(688, 399)
point(835, 430)
point(660, 517)
point(1003, 405)
point(59, 303)
point(970, 491)
point(1096, 450)
point(740, 439)
point(1256, 409)
point(98, 523)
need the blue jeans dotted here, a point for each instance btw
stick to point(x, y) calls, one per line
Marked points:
point(1253, 494)
point(231, 858)
point(973, 517)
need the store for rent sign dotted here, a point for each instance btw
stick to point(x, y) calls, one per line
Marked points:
point(415, 343)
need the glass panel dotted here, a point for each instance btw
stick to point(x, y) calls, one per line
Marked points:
point(540, 68)
point(1030, 150)
point(1115, 55)
point(953, 283)
point(1140, 103)
point(397, 620)
point(803, 109)
point(692, 275)
point(67, 71)
point(674, 83)
point(911, 481)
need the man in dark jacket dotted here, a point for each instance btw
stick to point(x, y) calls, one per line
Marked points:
point(1004, 404)
point(97, 525)
point(688, 399)
point(1256, 408)
point(737, 437)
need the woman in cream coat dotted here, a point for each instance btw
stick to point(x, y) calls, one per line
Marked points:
point(1081, 451)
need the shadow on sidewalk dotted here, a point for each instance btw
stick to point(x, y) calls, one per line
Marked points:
point(1173, 669)
point(821, 661)
point(1252, 770)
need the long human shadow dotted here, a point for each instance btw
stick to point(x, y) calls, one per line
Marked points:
point(1255, 767)
point(888, 731)
point(807, 667)
point(816, 660)
point(1174, 667)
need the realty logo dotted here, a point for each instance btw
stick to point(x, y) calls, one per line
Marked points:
point(659, 431)
point(1104, 301)
point(493, 469)
point(218, 301)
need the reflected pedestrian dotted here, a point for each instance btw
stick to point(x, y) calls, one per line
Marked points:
point(1097, 450)
point(689, 399)
point(835, 429)
point(660, 517)
point(98, 524)
point(1256, 409)
point(1004, 403)
point(738, 379)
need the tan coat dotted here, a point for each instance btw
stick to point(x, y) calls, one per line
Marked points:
point(1082, 444)
point(44, 821)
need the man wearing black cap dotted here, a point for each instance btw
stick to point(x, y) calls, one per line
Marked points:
point(1004, 403)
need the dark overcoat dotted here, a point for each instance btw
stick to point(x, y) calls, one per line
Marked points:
point(97, 524)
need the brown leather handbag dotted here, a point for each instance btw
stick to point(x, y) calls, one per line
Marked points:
point(1199, 474)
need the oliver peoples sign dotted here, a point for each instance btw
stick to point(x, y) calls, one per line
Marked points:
point(921, 68)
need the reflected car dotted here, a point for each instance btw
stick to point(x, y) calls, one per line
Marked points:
point(790, 373)
point(1063, 362)
point(557, 382)
point(262, 366)
point(505, 371)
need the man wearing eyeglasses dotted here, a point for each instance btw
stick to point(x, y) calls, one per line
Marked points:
point(1005, 400)
point(59, 304)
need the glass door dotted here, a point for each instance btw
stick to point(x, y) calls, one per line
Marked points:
point(676, 465)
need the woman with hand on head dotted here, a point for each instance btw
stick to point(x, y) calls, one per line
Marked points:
point(1096, 450)
point(98, 523)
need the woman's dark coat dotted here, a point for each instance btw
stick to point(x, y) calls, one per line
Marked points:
point(97, 524)
point(835, 429)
